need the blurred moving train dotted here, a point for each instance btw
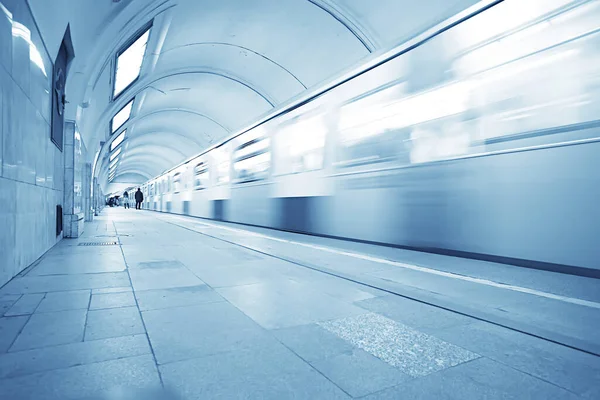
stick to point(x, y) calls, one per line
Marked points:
point(480, 138)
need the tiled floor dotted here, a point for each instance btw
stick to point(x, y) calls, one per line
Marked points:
point(171, 313)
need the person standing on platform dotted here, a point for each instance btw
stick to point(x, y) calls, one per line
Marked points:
point(126, 199)
point(139, 197)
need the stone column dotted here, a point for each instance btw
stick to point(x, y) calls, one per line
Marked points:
point(87, 192)
point(98, 198)
point(73, 217)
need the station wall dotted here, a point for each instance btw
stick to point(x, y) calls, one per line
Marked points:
point(31, 165)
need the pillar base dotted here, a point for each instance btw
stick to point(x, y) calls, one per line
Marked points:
point(73, 225)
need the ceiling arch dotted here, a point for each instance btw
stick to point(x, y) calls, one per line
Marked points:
point(212, 67)
point(196, 127)
point(224, 48)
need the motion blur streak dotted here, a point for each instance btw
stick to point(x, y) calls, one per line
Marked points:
point(482, 140)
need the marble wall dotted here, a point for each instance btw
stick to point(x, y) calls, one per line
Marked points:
point(32, 167)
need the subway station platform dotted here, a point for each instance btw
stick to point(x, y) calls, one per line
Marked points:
point(150, 305)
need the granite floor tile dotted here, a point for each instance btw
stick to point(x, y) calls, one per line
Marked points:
point(412, 352)
point(477, 379)
point(568, 368)
point(70, 355)
point(112, 300)
point(234, 272)
point(338, 288)
point(54, 283)
point(312, 342)
point(418, 315)
point(283, 303)
point(5, 306)
point(26, 305)
point(9, 329)
point(50, 329)
point(73, 264)
point(99, 380)
point(176, 297)
point(186, 332)
point(359, 373)
point(163, 275)
point(7, 301)
point(270, 372)
point(61, 301)
point(113, 322)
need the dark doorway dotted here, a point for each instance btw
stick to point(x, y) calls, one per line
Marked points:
point(219, 210)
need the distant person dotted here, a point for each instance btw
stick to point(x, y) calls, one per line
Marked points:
point(139, 197)
point(126, 199)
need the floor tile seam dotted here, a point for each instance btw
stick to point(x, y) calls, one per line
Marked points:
point(432, 303)
point(121, 291)
point(422, 329)
point(11, 306)
point(138, 309)
point(110, 308)
point(57, 311)
point(269, 333)
point(311, 366)
point(182, 306)
point(416, 379)
point(76, 274)
point(68, 344)
point(531, 375)
point(236, 286)
point(154, 290)
point(207, 355)
point(63, 291)
point(73, 366)
point(14, 303)
point(24, 325)
point(87, 315)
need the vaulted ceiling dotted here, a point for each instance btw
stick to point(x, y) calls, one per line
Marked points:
point(211, 67)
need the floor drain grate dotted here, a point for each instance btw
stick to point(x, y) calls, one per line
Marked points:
point(98, 244)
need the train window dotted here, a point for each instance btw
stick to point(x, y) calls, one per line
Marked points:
point(512, 101)
point(200, 176)
point(252, 159)
point(221, 158)
point(301, 145)
point(177, 182)
point(373, 129)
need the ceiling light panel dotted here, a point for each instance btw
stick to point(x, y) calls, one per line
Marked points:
point(121, 117)
point(118, 140)
point(115, 154)
point(129, 63)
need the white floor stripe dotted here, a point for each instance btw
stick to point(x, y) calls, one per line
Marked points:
point(514, 288)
